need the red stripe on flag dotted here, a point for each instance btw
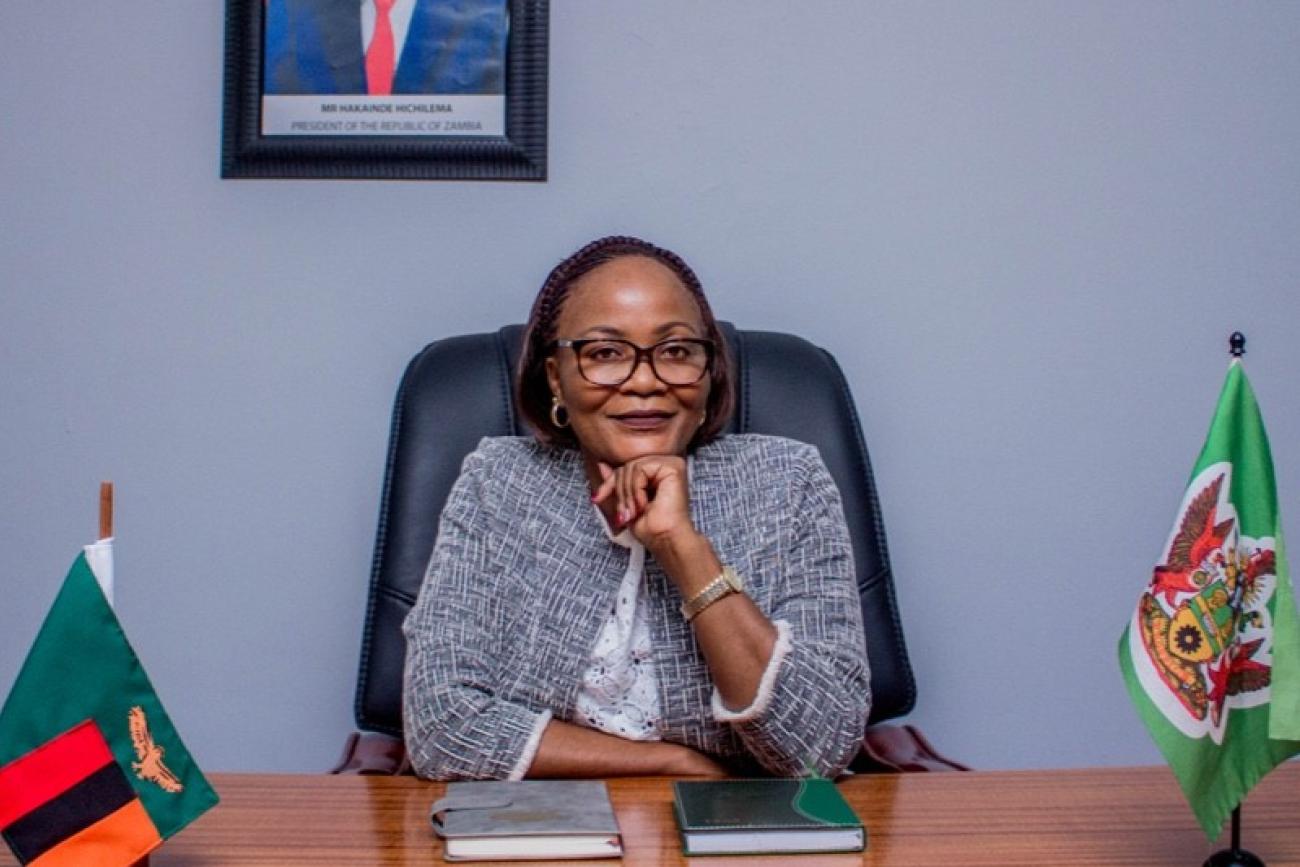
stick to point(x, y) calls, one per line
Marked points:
point(53, 767)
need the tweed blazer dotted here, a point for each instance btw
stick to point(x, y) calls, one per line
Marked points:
point(523, 575)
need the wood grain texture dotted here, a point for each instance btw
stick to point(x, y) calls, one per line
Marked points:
point(1110, 816)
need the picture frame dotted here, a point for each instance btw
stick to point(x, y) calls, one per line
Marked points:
point(353, 135)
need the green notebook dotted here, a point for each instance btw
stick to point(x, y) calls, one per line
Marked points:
point(736, 817)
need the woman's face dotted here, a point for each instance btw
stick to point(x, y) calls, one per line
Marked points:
point(632, 298)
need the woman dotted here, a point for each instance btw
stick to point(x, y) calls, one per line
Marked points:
point(631, 592)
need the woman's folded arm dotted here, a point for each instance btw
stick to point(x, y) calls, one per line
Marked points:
point(810, 710)
point(455, 725)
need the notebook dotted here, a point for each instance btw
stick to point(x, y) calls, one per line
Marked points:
point(732, 817)
point(526, 820)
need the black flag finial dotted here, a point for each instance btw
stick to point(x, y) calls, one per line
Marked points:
point(1237, 344)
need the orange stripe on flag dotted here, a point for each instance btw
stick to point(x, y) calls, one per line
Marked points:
point(51, 769)
point(118, 838)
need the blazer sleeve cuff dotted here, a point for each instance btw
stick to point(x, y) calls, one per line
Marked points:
point(766, 684)
point(530, 747)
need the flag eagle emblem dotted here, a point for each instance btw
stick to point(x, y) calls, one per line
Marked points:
point(150, 767)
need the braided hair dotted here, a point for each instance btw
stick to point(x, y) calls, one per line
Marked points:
point(532, 391)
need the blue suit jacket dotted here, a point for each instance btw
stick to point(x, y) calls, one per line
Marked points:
point(453, 46)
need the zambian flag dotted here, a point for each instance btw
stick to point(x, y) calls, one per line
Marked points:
point(1211, 657)
point(91, 770)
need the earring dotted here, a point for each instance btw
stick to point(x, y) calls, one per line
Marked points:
point(556, 409)
point(704, 416)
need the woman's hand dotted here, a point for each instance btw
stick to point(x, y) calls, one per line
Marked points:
point(651, 496)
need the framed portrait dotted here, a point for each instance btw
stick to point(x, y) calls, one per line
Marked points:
point(393, 89)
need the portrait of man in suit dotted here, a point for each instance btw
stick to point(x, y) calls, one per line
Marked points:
point(384, 47)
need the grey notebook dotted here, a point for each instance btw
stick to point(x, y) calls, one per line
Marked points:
point(530, 819)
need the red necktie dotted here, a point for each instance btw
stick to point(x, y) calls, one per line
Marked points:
point(379, 56)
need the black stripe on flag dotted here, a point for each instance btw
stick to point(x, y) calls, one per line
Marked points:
point(102, 793)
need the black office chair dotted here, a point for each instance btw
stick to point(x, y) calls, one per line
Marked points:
point(459, 389)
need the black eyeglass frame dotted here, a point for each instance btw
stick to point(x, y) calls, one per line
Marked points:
point(642, 352)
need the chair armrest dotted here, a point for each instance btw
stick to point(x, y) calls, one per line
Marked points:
point(373, 753)
point(900, 748)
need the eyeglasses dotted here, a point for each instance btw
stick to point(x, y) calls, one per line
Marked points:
point(676, 361)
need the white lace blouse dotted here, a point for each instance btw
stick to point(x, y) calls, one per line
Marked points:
point(619, 693)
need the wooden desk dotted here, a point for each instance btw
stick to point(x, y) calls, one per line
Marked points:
point(1105, 816)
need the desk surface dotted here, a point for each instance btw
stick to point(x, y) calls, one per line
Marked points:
point(1105, 816)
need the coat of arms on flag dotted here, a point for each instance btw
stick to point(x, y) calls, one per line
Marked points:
point(1211, 656)
point(91, 769)
point(1204, 622)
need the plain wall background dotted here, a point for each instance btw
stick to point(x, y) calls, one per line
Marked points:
point(1025, 229)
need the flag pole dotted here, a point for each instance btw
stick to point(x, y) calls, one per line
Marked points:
point(1235, 856)
point(99, 556)
point(105, 510)
point(106, 532)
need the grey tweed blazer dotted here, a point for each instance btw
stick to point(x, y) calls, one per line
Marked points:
point(523, 576)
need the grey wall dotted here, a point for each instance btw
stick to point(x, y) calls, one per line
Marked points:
point(1025, 229)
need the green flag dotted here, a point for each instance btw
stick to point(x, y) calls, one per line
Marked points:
point(1211, 656)
point(91, 769)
